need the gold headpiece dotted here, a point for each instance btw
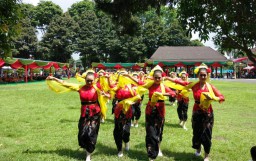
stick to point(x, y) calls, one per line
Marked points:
point(87, 71)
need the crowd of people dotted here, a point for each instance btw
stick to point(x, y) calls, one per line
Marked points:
point(126, 90)
point(16, 78)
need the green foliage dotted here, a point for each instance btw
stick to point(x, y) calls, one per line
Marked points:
point(10, 16)
point(87, 41)
point(28, 11)
point(38, 124)
point(26, 43)
point(162, 30)
point(122, 11)
point(45, 11)
point(234, 22)
point(77, 9)
point(196, 43)
point(59, 40)
point(132, 49)
point(108, 39)
point(102, 41)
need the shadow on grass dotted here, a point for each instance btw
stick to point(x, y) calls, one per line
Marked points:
point(181, 156)
point(78, 154)
point(67, 120)
point(111, 120)
point(133, 154)
point(173, 125)
point(105, 149)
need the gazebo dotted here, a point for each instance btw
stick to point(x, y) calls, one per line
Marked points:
point(187, 57)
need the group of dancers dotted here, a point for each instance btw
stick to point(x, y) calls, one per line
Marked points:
point(127, 91)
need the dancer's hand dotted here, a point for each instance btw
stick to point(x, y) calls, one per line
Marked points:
point(50, 78)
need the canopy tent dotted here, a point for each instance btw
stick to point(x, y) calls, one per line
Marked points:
point(134, 66)
point(249, 68)
point(243, 59)
point(17, 63)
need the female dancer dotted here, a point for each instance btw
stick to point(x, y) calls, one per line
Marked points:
point(89, 122)
point(155, 112)
point(183, 101)
point(123, 113)
point(202, 116)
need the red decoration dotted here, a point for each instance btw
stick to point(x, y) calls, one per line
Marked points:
point(198, 64)
point(216, 64)
point(161, 64)
point(118, 66)
point(180, 64)
point(100, 66)
point(209, 70)
point(1, 62)
point(16, 65)
point(136, 67)
point(47, 66)
point(33, 66)
point(55, 65)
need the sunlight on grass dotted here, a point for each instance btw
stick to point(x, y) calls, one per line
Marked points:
point(38, 124)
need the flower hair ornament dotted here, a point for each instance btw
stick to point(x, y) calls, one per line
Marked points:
point(202, 66)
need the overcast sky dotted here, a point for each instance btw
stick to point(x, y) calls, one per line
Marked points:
point(65, 4)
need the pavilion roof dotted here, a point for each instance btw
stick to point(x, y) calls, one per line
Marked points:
point(187, 54)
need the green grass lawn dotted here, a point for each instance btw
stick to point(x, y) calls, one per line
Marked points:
point(38, 124)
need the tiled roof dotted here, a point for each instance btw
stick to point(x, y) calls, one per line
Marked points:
point(187, 54)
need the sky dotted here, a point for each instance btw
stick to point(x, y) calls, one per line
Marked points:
point(65, 4)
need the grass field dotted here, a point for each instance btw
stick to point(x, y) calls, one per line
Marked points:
point(38, 124)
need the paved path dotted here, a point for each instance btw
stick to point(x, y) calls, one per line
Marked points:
point(240, 80)
point(235, 80)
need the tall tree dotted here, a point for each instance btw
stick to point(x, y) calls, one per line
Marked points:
point(233, 21)
point(29, 11)
point(77, 9)
point(26, 43)
point(108, 40)
point(44, 13)
point(59, 41)
point(10, 17)
point(132, 49)
point(123, 11)
point(162, 30)
point(87, 40)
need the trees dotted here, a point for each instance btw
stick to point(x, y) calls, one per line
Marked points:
point(25, 44)
point(10, 16)
point(58, 43)
point(44, 13)
point(162, 30)
point(122, 11)
point(87, 38)
point(77, 9)
point(233, 21)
